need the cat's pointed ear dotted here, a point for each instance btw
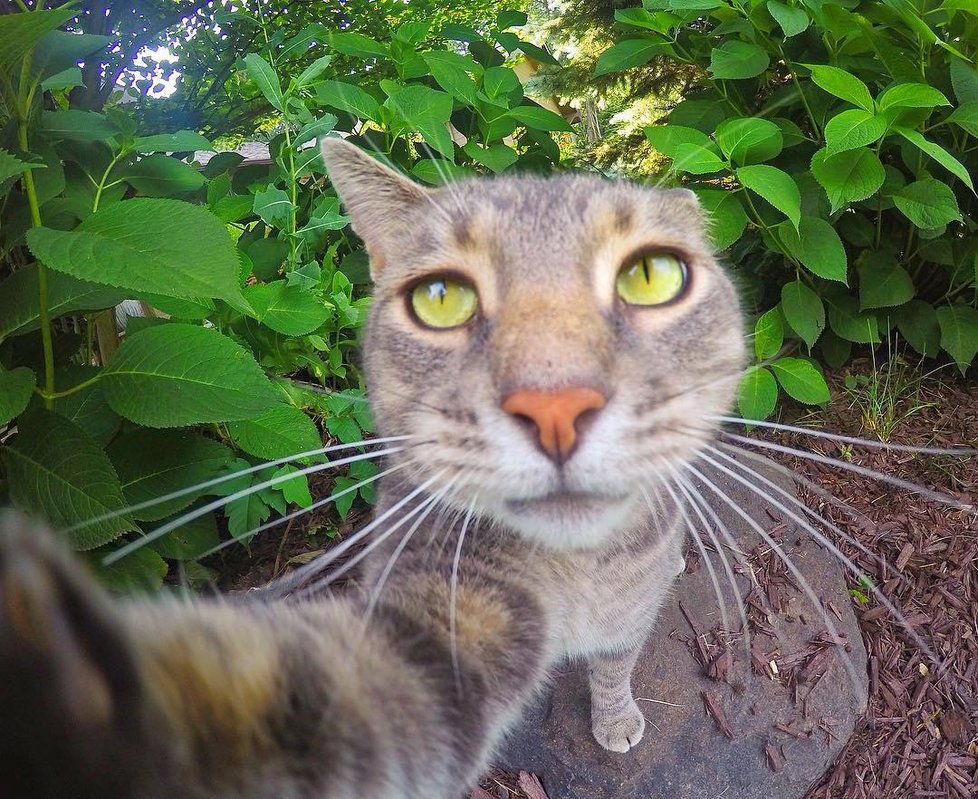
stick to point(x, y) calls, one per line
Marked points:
point(375, 196)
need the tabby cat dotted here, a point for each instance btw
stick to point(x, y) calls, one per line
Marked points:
point(546, 353)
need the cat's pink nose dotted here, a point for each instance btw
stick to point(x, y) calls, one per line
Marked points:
point(555, 414)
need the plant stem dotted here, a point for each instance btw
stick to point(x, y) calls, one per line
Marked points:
point(105, 175)
point(50, 396)
point(44, 312)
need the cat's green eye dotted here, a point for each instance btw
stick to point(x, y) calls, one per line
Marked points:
point(653, 279)
point(444, 302)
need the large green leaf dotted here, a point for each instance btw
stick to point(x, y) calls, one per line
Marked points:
point(939, 154)
point(851, 129)
point(283, 432)
point(927, 203)
point(533, 116)
point(668, 138)
point(804, 311)
point(849, 176)
point(189, 541)
point(74, 125)
point(347, 97)
point(19, 299)
point(725, 215)
point(627, 54)
point(273, 206)
point(959, 333)
point(451, 71)
point(16, 388)
point(86, 407)
point(964, 80)
point(54, 469)
point(160, 246)
point(911, 95)
point(768, 334)
point(286, 309)
point(801, 380)
point(842, 84)
point(183, 141)
point(140, 572)
point(261, 73)
point(735, 59)
point(11, 165)
point(817, 246)
point(154, 463)
point(775, 186)
point(757, 396)
point(749, 140)
point(425, 111)
point(917, 323)
point(20, 33)
point(697, 160)
point(965, 117)
point(883, 283)
point(848, 323)
point(792, 20)
point(162, 176)
point(176, 374)
point(356, 44)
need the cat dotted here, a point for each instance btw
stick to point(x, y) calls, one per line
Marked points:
point(546, 354)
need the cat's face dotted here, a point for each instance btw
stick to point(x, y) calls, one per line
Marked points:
point(542, 257)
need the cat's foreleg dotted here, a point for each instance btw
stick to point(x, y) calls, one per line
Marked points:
point(616, 721)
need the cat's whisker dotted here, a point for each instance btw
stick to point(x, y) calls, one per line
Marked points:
point(958, 452)
point(847, 661)
point(197, 487)
point(181, 520)
point(300, 575)
point(824, 541)
point(453, 594)
point(936, 496)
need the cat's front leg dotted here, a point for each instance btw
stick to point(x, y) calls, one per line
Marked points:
point(616, 721)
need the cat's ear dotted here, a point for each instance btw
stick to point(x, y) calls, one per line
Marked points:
point(375, 196)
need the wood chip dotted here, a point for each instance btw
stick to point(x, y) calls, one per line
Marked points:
point(531, 786)
point(715, 709)
point(775, 758)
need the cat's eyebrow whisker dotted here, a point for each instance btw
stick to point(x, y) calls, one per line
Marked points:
point(847, 661)
point(824, 541)
point(181, 520)
point(959, 452)
point(316, 566)
point(453, 594)
point(944, 499)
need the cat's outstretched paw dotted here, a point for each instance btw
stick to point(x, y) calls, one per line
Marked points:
point(619, 731)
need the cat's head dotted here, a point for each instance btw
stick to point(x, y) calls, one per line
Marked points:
point(559, 340)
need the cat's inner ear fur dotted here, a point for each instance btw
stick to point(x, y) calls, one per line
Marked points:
point(377, 198)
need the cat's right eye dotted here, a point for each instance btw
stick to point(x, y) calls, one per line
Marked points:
point(443, 302)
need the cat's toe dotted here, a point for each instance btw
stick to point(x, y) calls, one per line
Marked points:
point(619, 732)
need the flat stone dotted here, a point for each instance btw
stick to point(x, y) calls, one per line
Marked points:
point(783, 729)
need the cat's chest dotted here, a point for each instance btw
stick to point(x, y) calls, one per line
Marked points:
point(604, 602)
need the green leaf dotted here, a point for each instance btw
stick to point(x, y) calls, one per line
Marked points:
point(451, 72)
point(917, 323)
point(154, 463)
point(510, 19)
point(498, 157)
point(959, 333)
point(261, 73)
point(849, 176)
point(143, 245)
point(349, 98)
point(426, 111)
point(735, 59)
point(775, 186)
point(883, 283)
point(188, 541)
point(668, 138)
point(315, 129)
point(295, 491)
point(286, 309)
point(11, 165)
point(749, 140)
point(533, 116)
point(847, 322)
point(801, 380)
point(282, 432)
point(792, 20)
point(438, 171)
point(310, 73)
point(356, 44)
point(19, 305)
point(757, 396)
point(964, 80)
point(804, 311)
point(841, 84)
point(141, 571)
point(627, 54)
point(54, 469)
point(162, 176)
point(835, 351)
point(183, 141)
point(21, 32)
point(16, 389)
point(273, 206)
point(499, 82)
point(727, 218)
point(697, 160)
point(911, 95)
point(86, 407)
point(927, 203)
point(851, 129)
point(73, 125)
point(965, 117)
point(939, 154)
point(817, 246)
point(177, 374)
point(768, 334)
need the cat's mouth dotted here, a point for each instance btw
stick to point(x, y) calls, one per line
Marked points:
point(563, 503)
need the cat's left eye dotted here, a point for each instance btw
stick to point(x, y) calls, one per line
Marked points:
point(443, 302)
point(653, 279)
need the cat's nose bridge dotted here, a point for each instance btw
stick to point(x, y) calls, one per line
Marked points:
point(555, 415)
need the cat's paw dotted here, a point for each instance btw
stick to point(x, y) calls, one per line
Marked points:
point(620, 731)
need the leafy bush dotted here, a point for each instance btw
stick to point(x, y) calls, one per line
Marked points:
point(261, 281)
point(834, 144)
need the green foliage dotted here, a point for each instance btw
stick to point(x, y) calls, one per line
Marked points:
point(260, 284)
point(834, 146)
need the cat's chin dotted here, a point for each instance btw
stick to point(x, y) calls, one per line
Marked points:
point(568, 519)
